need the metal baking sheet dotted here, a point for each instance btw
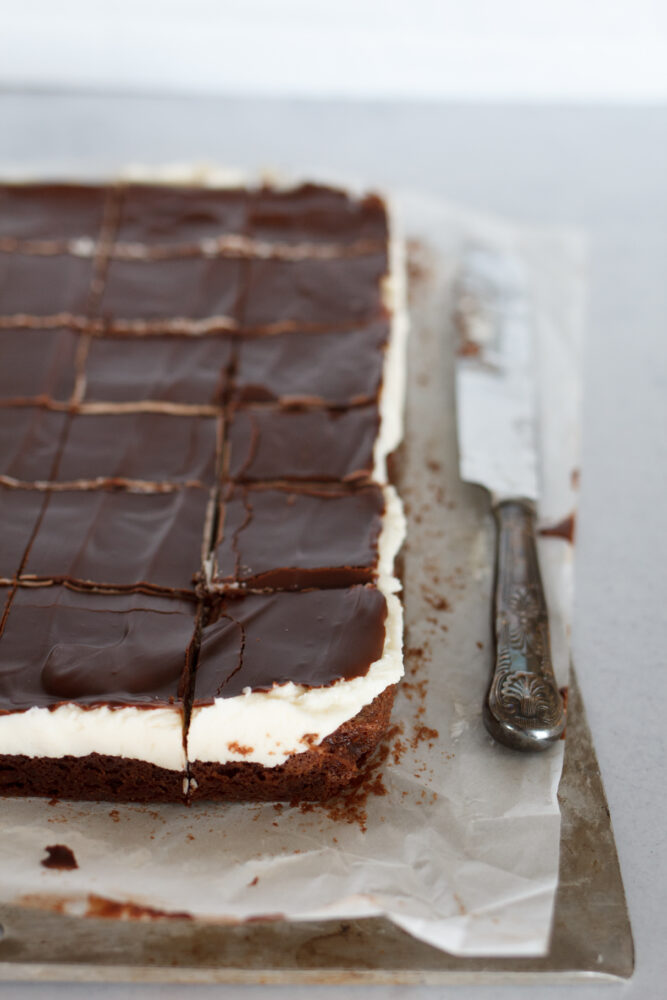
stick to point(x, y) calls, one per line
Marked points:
point(591, 933)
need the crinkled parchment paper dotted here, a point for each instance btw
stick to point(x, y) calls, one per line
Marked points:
point(454, 838)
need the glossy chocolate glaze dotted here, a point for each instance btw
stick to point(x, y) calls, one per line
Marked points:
point(338, 368)
point(171, 369)
point(37, 363)
point(44, 285)
point(30, 439)
point(157, 447)
point(313, 213)
point(176, 288)
point(19, 513)
point(120, 539)
point(61, 644)
point(51, 211)
point(297, 539)
point(312, 638)
point(92, 649)
point(158, 214)
point(313, 292)
point(266, 443)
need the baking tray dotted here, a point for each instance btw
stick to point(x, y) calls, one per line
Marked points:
point(591, 934)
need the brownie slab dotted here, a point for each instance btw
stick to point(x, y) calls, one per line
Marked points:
point(145, 294)
point(20, 511)
point(30, 440)
point(37, 363)
point(155, 646)
point(335, 368)
point(170, 369)
point(120, 540)
point(145, 447)
point(313, 292)
point(44, 287)
point(267, 443)
point(51, 211)
point(293, 540)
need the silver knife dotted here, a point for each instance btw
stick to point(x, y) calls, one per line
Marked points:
point(496, 388)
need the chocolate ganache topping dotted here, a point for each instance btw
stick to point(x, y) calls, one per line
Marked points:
point(326, 445)
point(295, 539)
point(190, 384)
point(312, 638)
point(61, 646)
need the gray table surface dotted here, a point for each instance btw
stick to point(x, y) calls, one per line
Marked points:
point(604, 169)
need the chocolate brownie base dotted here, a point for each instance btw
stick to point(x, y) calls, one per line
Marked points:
point(93, 777)
point(312, 776)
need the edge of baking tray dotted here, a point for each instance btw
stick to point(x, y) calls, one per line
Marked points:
point(591, 936)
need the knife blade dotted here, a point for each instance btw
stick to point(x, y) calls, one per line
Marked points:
point(496, 395)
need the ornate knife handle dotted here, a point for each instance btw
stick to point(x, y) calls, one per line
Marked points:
point(523, 708)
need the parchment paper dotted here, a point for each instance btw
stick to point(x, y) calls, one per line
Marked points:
point(454, 838)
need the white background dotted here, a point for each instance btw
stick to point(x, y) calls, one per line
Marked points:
point(509, 50)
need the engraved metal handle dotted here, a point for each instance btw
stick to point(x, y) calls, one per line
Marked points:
point(523, 708)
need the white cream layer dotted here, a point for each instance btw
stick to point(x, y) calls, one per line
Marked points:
point(148, 734)
point(391, 538)
point(392, 395)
